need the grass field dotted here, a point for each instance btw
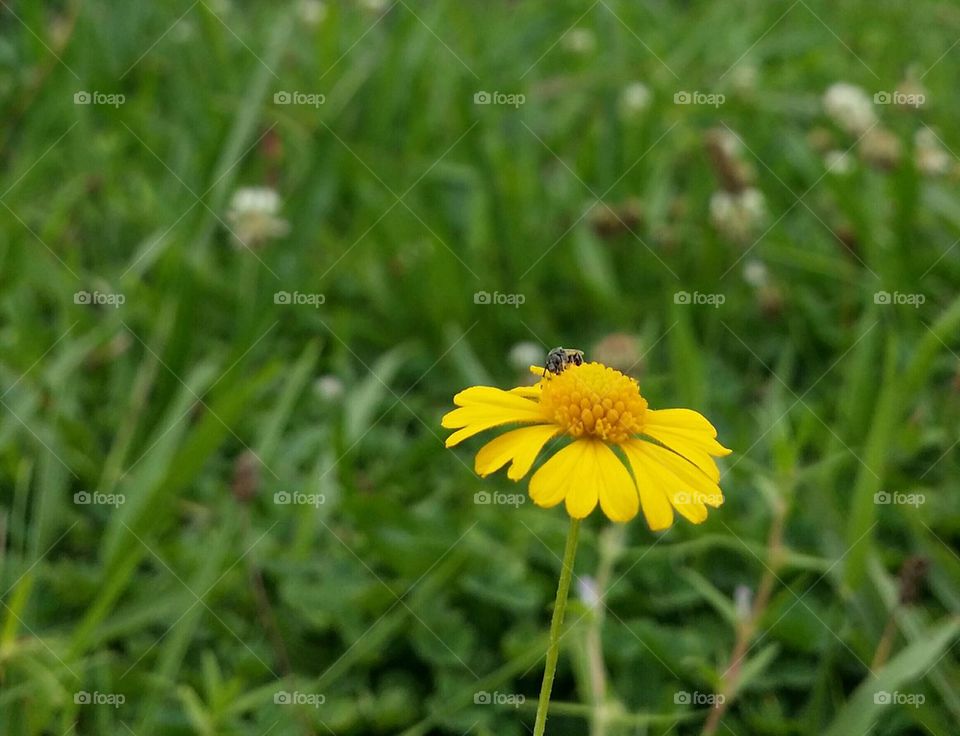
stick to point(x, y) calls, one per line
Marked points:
point(225, 503)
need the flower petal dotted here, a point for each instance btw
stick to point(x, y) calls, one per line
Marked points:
point(687, 425)
point(560, 477)
point(549, 484)
point(618, 493)
point(681, 419)
point(529, 392)
point(519, 445)
point(689, 449)
point(582, 473)
point(483, 407)
point(687, 489)
point(656, 506)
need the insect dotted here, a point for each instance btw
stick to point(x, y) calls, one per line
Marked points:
point(559, 358)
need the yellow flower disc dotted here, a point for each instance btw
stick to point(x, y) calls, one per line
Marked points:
point(596, 401)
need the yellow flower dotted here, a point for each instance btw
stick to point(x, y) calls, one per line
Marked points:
point(622, 454)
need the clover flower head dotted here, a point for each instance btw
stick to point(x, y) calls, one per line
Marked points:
point(254, 216)
point(850, 107)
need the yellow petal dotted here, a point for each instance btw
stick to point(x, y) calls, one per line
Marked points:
point(691, 486)
point(601, 475)
point(559, 476)
point(684, 425)
point(529, 392)
point(687, 488)
point(618, 493)
point(549, 484)
point(681, 419)
point(483, 407)
point(689, 449)
point(584, 472)
point(656, 506)
point(519, 445)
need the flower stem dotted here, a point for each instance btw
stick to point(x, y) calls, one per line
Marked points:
point(553, 650)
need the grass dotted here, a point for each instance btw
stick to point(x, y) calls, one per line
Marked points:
point(392, 596)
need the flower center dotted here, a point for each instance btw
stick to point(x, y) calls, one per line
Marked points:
point(592, 399)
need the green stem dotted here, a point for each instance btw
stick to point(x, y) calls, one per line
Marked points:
point(553, 649)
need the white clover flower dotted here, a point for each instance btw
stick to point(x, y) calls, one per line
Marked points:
point(850, 107)
point(253, 216)
point(931, 157)
point(312, 12)
point(743, 78)
point(755, 273)
point(329, 387)
point(838, 162)
point(635, 98)
point(588, 592)
point(525, 354)
point(736, 215)
point(580, 41)
point(728, 142)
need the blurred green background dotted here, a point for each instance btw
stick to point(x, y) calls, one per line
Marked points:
point(225, 505)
